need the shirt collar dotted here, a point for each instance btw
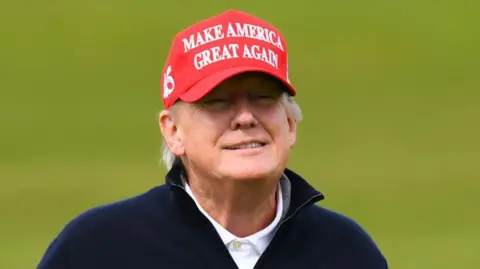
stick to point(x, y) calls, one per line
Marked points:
point(297, 194)
point(261, 239)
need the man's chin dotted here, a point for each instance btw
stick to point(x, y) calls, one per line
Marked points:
point(248, 172)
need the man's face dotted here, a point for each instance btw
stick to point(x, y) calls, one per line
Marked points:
point(238, 131)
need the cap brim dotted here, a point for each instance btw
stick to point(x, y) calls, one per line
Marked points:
point(206, 85)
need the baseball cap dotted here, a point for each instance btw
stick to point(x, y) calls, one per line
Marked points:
point(205, 54)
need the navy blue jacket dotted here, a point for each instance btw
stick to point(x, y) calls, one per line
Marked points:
point(163, 229)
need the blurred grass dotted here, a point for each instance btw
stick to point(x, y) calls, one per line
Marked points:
point(390, 91)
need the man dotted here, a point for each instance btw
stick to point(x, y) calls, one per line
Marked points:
point(229, 201)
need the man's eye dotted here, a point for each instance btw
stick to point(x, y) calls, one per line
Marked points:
point(216, 101)
point(263, 97)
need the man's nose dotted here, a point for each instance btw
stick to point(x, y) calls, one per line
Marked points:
point(244, 117)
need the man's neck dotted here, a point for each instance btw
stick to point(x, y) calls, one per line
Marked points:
point(242, 208)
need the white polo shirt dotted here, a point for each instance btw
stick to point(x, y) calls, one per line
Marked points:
point(246, 251)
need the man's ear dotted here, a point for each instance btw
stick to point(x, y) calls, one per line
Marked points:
point(170, 132)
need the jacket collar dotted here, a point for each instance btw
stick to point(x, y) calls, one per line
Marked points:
point(301, 192)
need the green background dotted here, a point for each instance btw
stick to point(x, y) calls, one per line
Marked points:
point(390, 92)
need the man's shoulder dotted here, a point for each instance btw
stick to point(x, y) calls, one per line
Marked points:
point(335, 223)
point(105, 227)
point(320, 215)
point(117, 214)
point(341, 232)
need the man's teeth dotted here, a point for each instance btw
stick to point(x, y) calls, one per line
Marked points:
point(247, 146)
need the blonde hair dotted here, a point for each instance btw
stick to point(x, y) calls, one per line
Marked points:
point(293, 110)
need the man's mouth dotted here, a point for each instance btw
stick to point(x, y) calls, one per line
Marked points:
point(247, 146)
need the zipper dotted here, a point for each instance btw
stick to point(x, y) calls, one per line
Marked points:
point(179, 186)
point(298, 208)
point(267, 250)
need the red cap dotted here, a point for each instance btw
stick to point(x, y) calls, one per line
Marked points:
point(210, 51)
